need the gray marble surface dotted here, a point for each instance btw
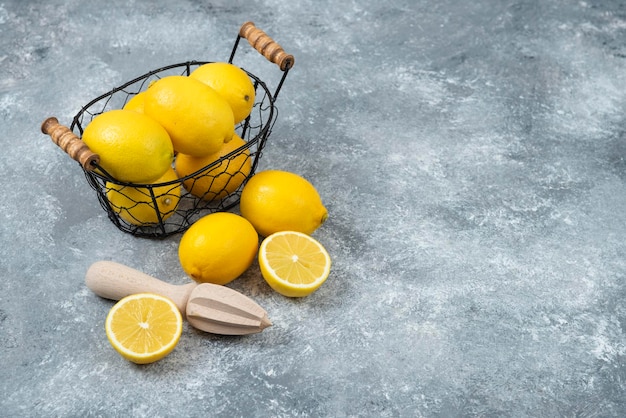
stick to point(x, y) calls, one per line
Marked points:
point(472, 158)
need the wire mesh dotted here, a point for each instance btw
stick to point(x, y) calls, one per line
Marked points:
point(166, 208)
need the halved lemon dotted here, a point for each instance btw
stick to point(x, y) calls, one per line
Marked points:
point(144, 327)
point(293, 264)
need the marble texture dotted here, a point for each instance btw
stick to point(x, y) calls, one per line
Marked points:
point(471, 156)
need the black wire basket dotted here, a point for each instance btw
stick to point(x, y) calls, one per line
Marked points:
point(222, 180)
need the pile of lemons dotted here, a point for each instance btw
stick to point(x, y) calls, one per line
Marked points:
point(191, 116)
point(282, 209)
point(175, 128)
point(163, 137)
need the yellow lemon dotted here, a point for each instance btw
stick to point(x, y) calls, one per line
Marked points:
point(293, 263)
point(136, 205)
point(220, 180)
point(196, 117)
point(275, 200)
point(232, 83)
point(218, 248)
point(144, 327)
point(136, 102)
point(133, 147)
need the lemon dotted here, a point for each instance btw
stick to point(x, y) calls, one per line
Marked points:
point(136, 102)
point(275, 200)
point(232, 83)
point(218, 248)
point(293, 264)
point(132, 147)
point(196, 117)
point(220, 180)
point(144, 327)
point(135, 204)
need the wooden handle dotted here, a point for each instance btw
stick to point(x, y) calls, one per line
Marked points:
point(114, 281)
point(266, 46)
point(70, 143)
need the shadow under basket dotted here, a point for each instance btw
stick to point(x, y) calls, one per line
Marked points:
point(213, 188)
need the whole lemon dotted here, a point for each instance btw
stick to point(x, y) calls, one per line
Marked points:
point(218, 248)
point(135, 204)
point(275, 200)
point(196, 117)
point(220, 180)
point(232, 83)
point(133, 147)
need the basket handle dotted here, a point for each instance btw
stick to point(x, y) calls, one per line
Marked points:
point(266, 46)
point(70, 143)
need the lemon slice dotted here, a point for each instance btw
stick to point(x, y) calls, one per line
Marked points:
point(144, 327)
point(293, 264)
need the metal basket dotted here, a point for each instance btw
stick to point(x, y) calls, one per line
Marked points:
point(254, 130)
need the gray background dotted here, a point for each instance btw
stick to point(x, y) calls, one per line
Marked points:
point(470, 153)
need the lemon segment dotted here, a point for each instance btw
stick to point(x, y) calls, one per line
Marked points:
point(293, 264)
point(144, 328)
